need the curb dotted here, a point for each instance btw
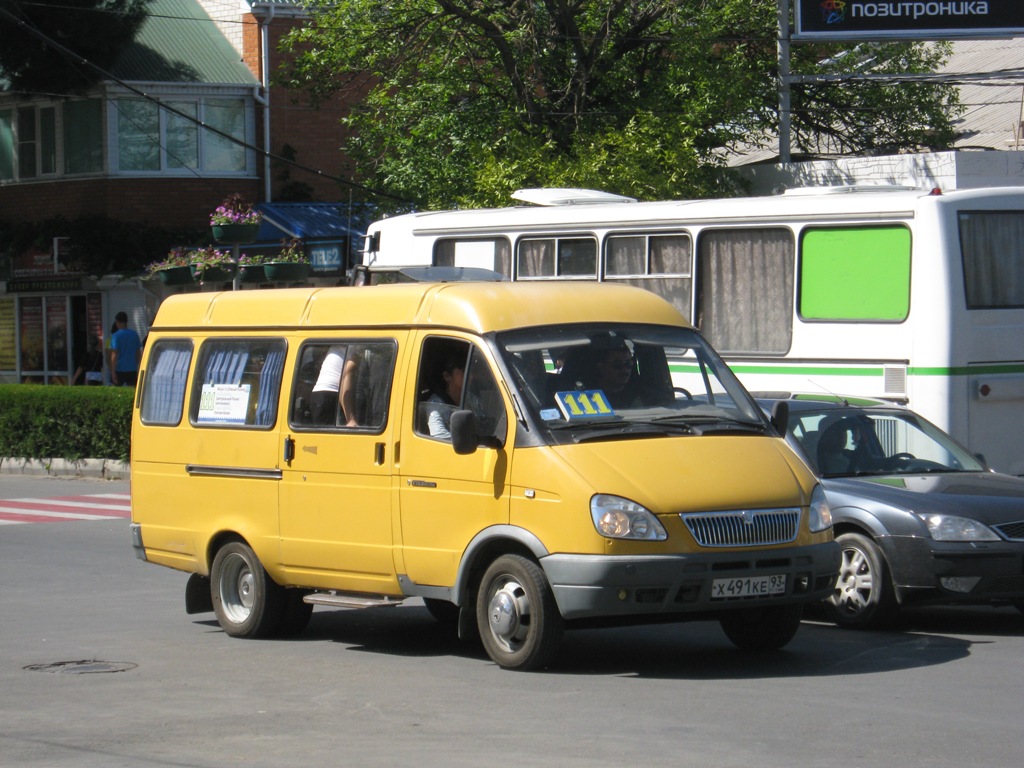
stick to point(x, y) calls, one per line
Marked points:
point(103, 469)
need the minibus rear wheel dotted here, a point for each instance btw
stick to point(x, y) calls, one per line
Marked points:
point(248, 603)
point(520, 625)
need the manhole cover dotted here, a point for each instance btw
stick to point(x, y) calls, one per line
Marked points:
point(83, 667)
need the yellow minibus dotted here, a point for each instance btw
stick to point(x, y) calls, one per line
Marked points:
point(523, 457)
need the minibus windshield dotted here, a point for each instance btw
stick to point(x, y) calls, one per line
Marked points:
point(597, 380)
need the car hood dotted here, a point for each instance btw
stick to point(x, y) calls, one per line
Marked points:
point(984, 496)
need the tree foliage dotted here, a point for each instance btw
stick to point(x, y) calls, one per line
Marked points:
point(94, 30)
point(466, 100)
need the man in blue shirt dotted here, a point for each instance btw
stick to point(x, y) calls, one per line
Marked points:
point(125, 353)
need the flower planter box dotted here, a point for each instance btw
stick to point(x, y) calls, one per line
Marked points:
point(219, 274)
point(281, 271)
point(252, 273)
point(235, 234)
point(175, 275)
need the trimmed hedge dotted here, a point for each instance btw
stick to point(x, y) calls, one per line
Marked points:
point(55, 422)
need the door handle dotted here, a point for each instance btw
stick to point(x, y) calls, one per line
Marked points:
point(289, 450)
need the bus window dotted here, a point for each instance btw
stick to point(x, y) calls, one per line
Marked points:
point(855, 273)
point(163, 392)
point(238, 382)
point(495, 253)
point(993, 251)
point(557, 257)
point(745, 289)
point(657, 263)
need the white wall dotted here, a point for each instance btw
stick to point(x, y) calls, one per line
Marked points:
point(946, 170)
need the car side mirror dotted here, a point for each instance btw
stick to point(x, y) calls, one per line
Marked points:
point(780, 417)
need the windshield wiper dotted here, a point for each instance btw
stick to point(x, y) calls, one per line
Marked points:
point(704, 424)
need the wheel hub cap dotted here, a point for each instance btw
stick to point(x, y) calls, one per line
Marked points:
point(503, 615)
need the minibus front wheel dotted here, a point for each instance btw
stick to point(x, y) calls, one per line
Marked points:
point(248, 603)
point(762, 629)
point(520, 625)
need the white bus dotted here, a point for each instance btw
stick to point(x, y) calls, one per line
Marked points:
point(911, 295)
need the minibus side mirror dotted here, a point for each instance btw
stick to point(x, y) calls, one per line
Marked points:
point(780, 417)
point(466, 437)
point(463, 429)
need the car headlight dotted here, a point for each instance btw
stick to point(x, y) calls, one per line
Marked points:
point(820, 518)
point(950, 528)
point(619, 518)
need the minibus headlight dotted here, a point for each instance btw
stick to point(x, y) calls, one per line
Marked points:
point(619, 518)
point(821, 515)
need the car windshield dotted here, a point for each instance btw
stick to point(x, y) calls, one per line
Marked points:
point(849, 441)
point(603, 381)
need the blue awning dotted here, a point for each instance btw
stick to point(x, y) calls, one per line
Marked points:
point(310, 222)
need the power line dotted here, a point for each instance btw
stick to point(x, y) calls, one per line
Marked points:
point(81, 61)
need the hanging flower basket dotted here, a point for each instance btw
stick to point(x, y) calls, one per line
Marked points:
point(235, 234)
point(174, 276)
point(235, 221)
point(285, 271)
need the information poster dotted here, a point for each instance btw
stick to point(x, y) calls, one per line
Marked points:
point(224, 404)
point(8, 336)
point(32, 334)
point(57, 334)
point(94, 315)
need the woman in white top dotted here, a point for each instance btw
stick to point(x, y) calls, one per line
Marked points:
point(324, 399)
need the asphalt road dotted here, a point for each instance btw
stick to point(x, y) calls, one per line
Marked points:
point(100, 666)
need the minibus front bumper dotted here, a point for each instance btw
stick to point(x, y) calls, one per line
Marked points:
point(592, 586)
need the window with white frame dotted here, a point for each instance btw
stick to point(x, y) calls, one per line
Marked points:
point(43, 140)
point(151, 139)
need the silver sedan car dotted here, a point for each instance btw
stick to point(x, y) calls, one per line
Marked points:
point(919, 518)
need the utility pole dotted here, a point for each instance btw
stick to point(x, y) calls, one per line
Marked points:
point(784, 81)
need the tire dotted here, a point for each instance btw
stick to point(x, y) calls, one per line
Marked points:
point(762, 629)
point(443, 611)
point(520, 625)
point(296, 613)
point(248, 603)
point(864, 597)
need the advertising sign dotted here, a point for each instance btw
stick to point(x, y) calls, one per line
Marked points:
point(8, 336)
point(907, 19)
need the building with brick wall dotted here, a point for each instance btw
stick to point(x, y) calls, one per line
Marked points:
point(186, 117)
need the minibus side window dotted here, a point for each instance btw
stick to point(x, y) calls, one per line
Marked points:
point(163, 394)
point(342, 384)
point(455, 375)
point(238, 382)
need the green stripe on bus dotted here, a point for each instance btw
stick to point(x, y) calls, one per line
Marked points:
point(816, 370)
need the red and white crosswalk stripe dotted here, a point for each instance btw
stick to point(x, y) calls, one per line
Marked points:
point(99, 506)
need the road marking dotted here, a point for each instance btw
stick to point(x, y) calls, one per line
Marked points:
point(100, 506)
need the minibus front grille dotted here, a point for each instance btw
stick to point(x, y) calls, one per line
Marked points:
point(743, 528)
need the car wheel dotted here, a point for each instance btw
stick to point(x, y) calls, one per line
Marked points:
point(519, 621)
point(863, 597)
point(762, 629)
point(248, 603)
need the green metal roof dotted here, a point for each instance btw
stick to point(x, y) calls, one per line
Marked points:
point(179, 43)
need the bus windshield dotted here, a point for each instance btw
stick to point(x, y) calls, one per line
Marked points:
point(604, 380)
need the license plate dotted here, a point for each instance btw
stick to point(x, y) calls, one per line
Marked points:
point(757, 586)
